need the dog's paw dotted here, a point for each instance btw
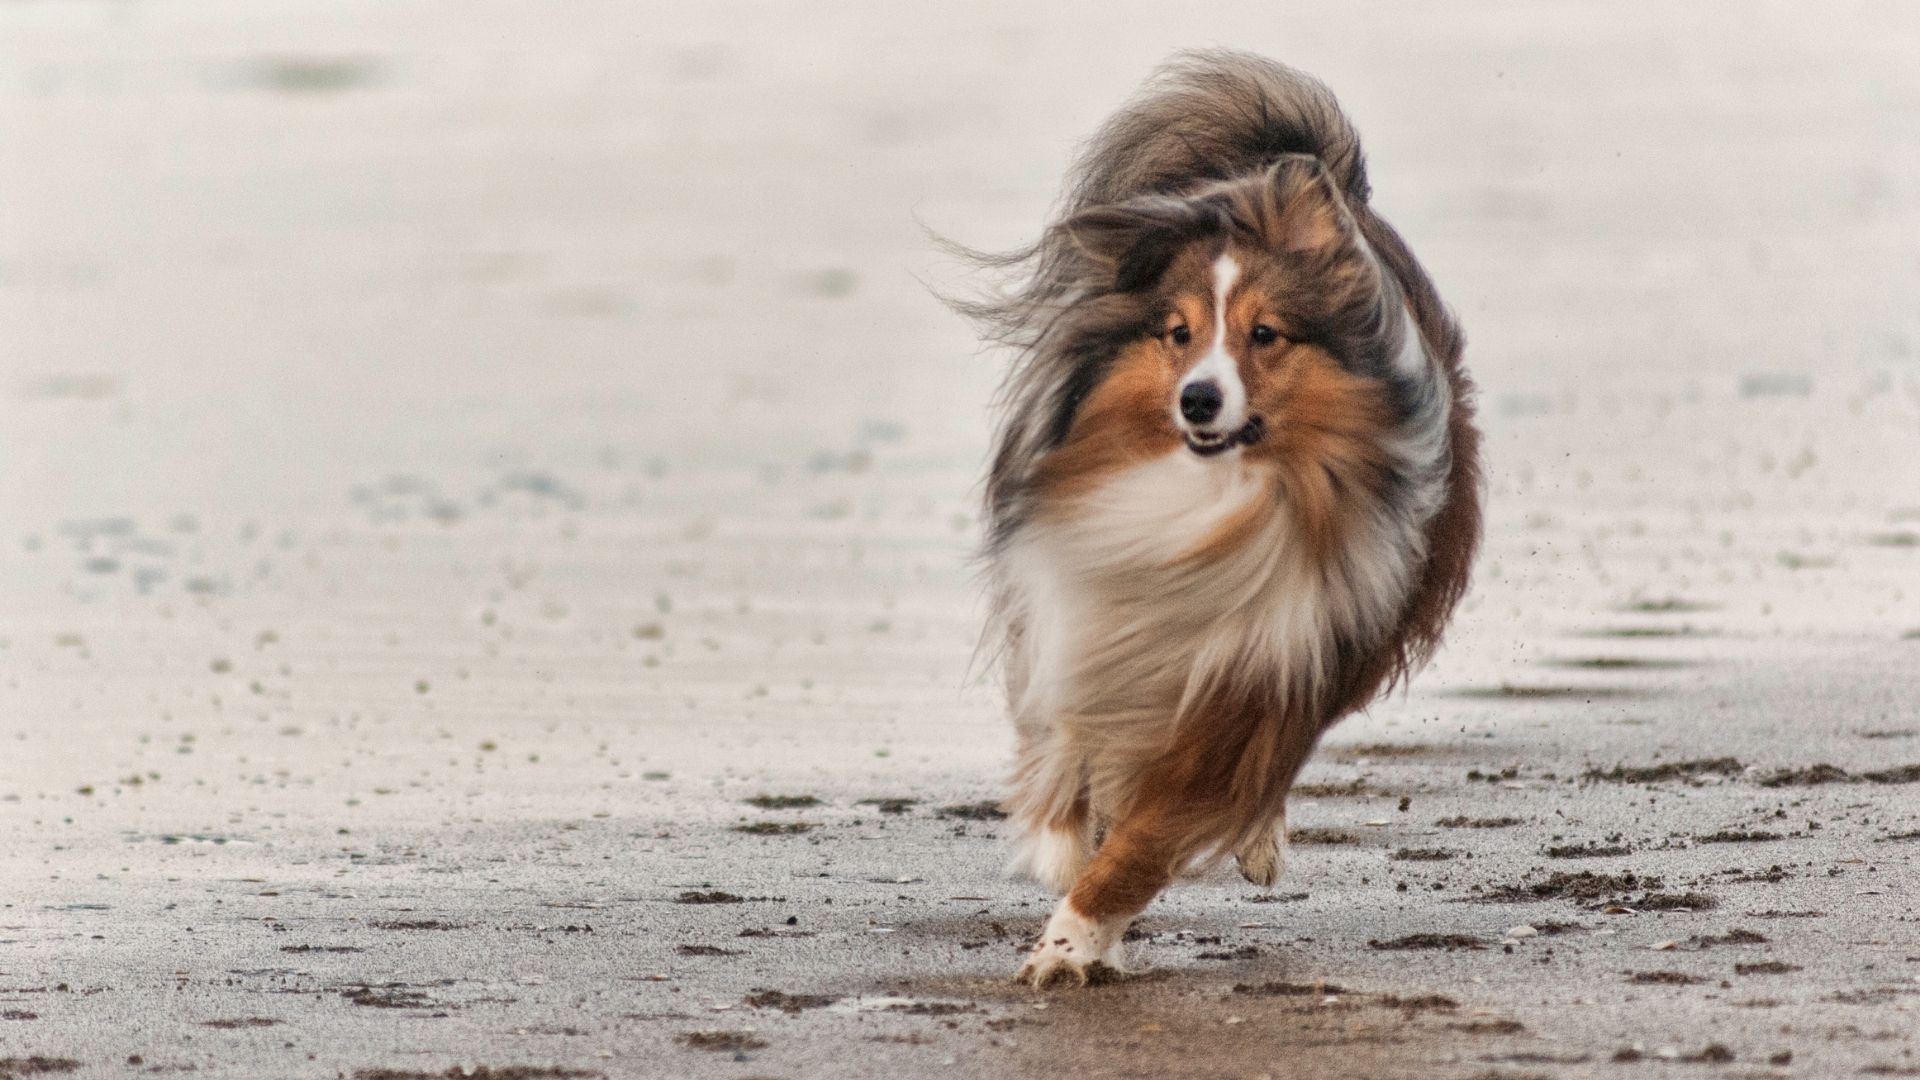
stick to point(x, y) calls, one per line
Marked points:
point(1075, 950)
point(1262, 860)
point(1049, 967)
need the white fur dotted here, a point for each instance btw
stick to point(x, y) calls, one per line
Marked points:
point(1121, 633)
point(1054, 856)
point(1071, 944)
point(1420, 444)
point(1412, 360)
point(1218, 365)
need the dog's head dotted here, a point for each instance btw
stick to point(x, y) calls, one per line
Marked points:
point(1249, 317)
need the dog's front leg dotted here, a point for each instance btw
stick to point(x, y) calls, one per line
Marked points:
point(1082, 939)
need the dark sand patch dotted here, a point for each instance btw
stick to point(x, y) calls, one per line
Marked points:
point(1417, 1003)
point(1735, 936)
point(1239, 952)
point(976, 811)
point(1382, 750)
point(12, 1067)
point(1672, 770)
point(1314, 835)
point(1510, 692)
point(933, 1008)
point(1663, 978)
point(1350, 789)
point(482, 1073)
point(414, 924)
point(787, 1003)
point(1449, 942)
point(1765, 967)
point(1667, 605)
point(311, 74)
point(391, 996)
point(1583, 886)
point(782, 802)
point(1815, 775)
point(1288, 989)
point(1635, 633)
point(729, 1042)
point(1587, 850)
point(1687, 901)
point(1464, 822)
point(712, 897)
point(1620, 663)
point(1809, 776)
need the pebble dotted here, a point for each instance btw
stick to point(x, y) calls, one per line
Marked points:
point(1522, 931)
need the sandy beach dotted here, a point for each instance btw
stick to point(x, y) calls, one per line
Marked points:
point(487, 530)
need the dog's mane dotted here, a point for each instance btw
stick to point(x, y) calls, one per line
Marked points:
point(1204, 119)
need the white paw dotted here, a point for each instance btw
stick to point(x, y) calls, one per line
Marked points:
point(1076, 949)
point(1054, 857)
point(1263, 859)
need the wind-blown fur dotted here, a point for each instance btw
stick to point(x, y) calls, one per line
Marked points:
point(1180, 626)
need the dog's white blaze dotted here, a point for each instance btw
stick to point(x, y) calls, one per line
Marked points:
point(1219, 364)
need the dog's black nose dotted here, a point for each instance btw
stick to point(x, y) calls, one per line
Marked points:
point(1200, 401)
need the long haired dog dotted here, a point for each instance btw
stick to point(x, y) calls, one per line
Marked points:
point(1234, 493)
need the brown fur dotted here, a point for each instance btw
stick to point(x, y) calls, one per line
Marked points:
point(1124, 422)
point(1228, 154)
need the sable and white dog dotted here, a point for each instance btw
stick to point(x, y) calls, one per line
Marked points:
point(1234, 493)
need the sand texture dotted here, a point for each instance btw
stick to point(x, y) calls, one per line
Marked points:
point(457, 458)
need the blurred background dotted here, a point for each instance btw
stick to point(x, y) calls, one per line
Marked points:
point(593, 351)
point(426, 426)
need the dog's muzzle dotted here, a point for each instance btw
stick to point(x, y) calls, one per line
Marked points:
point(1208, 443)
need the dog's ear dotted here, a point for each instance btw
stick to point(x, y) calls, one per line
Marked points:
point(1132, 242)
point(1309, 215)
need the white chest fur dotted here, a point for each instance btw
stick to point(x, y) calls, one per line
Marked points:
point(1122, 626)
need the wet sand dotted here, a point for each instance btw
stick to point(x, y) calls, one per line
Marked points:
point(485, 551)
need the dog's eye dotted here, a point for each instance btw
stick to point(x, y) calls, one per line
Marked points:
point(1180, 335)
point(1265, 335)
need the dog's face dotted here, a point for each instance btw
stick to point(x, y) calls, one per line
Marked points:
point(1241, 313)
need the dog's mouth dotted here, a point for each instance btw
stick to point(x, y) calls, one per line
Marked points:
point(1207, 443)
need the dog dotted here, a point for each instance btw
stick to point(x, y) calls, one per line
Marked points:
point(1234, 489)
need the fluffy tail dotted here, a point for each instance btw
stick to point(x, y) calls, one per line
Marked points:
point(1213, 115)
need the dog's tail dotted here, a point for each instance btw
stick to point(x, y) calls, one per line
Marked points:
point(1211, 115)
